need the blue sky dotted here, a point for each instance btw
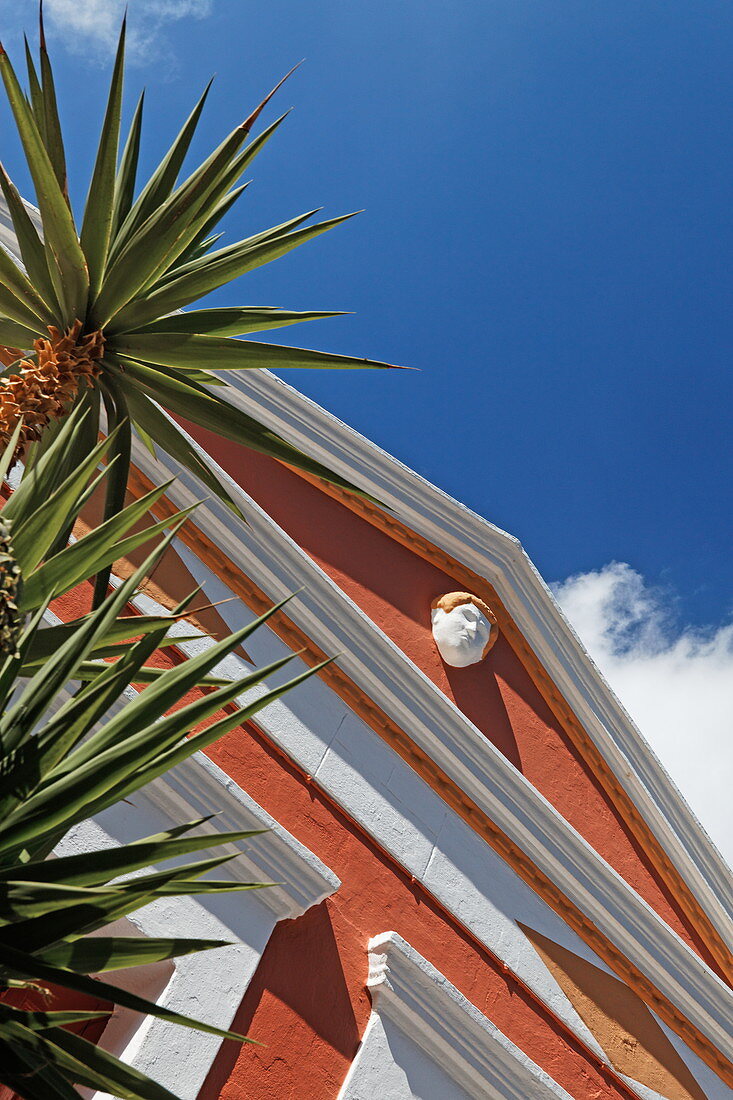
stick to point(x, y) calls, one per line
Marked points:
point(547, 236)
point(548, 187)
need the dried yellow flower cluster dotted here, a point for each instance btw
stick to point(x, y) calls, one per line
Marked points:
point(44, 386)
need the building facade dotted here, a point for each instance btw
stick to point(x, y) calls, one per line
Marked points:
point(487, 884)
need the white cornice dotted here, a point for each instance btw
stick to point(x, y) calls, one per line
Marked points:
point(210, 985)
point(278, 566)
point(408, 990)
point(499, 557)
point(197, 787)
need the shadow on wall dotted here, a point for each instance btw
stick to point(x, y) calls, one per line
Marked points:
point(318, 1002)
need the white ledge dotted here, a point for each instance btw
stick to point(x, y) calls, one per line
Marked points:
point(408, 990)
point(208, 985)
point(198, 787)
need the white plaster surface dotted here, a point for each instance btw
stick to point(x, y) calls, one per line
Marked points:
point(426, 1040)
point(209, 986)
point(391, 1066)
point(461, 635)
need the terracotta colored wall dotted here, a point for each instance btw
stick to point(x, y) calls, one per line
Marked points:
point(308, 1003)
point(395, 587)
point(60, 1000)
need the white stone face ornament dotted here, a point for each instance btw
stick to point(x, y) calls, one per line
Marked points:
point(464, 628)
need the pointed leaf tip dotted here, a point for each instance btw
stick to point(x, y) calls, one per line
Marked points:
point(41, 31)
point(249, 122)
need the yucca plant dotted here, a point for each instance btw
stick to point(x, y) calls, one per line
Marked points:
point(72, 743)
point(101, 305)
point(38, 564)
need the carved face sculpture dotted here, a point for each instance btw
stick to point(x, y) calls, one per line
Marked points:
point(464, 628)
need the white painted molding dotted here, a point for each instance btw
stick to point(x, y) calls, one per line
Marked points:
point(500, 558)
point(198, 787)
point(273, 560)
point(410, 993)
point(384, 797)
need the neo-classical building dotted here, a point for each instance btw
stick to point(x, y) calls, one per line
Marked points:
point(487, 885)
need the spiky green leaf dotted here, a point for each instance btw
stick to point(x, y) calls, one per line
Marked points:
point(96, 230)
point(219, 353)
point(31, 247)
point(69, 270)
point(233, 320)
point(127, 172)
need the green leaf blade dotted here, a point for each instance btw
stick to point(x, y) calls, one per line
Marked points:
point(220, 353)
point(96, 231)
point(72, 283)
point(127, 173)
point(233, 320)
point(219, 269)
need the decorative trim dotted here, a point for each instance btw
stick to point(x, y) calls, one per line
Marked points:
point(406, 989)
point(462, 651)
point(468, 771)
point(577, 690)
point(197, 787)
point(329, 743)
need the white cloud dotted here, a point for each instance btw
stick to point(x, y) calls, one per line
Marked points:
point(677, 683)
point(91, 27)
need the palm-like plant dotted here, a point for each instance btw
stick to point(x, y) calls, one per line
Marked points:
point(67, 754)
point(92, 321)
point(98, 310)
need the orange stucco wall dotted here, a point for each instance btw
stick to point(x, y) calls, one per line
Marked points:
point(58, 999)
point(308, 1003)
point(395, 586)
